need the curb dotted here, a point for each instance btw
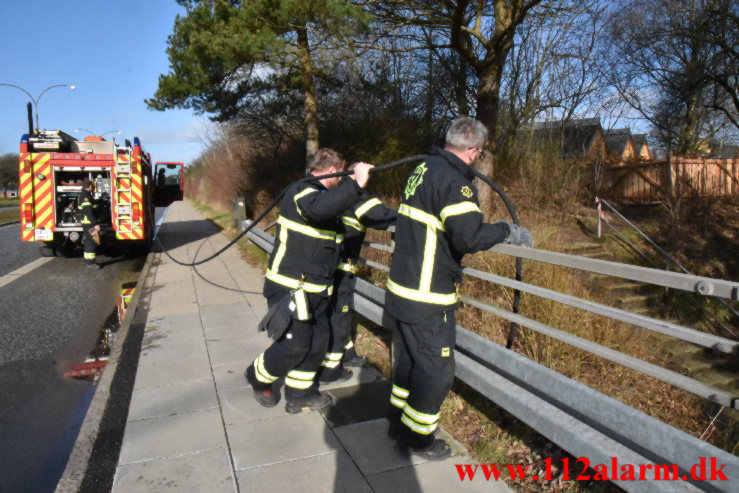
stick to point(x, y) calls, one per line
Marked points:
point(116, 379)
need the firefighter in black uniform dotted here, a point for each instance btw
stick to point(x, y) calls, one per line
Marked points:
point(367, 212)
point(304, 259)
point(439, 220)
point(89, 226)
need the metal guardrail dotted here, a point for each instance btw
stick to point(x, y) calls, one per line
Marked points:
point(578, 418)
point(711, 319)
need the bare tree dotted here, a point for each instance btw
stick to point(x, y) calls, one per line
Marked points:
point(666, 65)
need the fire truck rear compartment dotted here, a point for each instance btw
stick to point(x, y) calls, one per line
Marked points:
point(68, 189)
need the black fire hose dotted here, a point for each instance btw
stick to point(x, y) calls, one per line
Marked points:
point(506, 200)
point(519, 261)
point(276, 201)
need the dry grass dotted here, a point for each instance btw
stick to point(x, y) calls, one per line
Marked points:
point(9, 215)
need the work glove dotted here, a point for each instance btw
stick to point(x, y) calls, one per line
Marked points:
point(518, 236)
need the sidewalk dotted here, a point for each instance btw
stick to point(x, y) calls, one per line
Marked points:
point(193, 424)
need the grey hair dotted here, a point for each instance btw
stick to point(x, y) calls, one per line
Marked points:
point(465, 133)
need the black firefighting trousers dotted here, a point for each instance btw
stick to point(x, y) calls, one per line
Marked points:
point(423, 373)
point(340, 318)
point(88, 245)
point(296, 355)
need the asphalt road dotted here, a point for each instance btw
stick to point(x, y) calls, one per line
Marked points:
point(49, 319)
point(15, 253)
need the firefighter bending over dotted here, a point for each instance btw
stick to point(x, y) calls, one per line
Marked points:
point(367, 212)
point(89, 226)
point(300, 277)
point(439, 220)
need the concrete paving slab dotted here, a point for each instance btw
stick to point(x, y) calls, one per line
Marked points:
point(433, 477)
point(280, 439)
point(189, 331)
point(327, 473)
point(242, 307)
point(216, 289)
point(229, 320)
point(239, 406)
point(171, 436)
point(186, 320)
point(256, 299)
point(168, 271)
point(230, 376)
point(370, 447)
point(177, 293)
point(172, 399)
point(365, 402)
point(172, 373)
point(243, 351)
point(205, 471)
point(161, 306)
point(239, 333)
point(165, 350)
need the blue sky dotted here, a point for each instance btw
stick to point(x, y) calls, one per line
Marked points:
point(113, 51)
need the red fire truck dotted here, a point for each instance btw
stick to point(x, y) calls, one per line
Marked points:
point(52, 167)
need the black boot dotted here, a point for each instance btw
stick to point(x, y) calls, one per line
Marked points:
point(438, 450)
point(425, 446)
point(263, 393)
point(351, 358)
point(315, 401)
point(394, 424)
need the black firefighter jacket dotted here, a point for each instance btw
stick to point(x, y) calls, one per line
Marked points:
point(307, 244)
point(367, 212)
point(85, 205)
point(439, 220)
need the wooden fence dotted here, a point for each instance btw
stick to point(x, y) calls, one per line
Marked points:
point(652, 181)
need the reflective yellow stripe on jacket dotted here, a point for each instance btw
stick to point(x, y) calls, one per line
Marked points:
point(362, 209)
point(346, 267)
point(353, 223)
point(273, 274)
point(299, 196)
point(457, 209)
point(424, 293)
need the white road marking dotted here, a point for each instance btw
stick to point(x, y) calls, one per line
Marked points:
point(8, 278)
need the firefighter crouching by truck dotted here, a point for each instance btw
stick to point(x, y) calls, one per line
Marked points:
point(439, 220)
point(299, 282)
point(90, 228)
point(367, 212)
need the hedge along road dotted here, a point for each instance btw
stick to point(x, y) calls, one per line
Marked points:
point(50, 318)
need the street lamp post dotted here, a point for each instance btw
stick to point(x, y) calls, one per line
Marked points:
point(36, 100)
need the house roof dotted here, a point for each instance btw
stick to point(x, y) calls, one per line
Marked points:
point(639, 140)
point(616, 140)
point(576, 135)
point(725, 151)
